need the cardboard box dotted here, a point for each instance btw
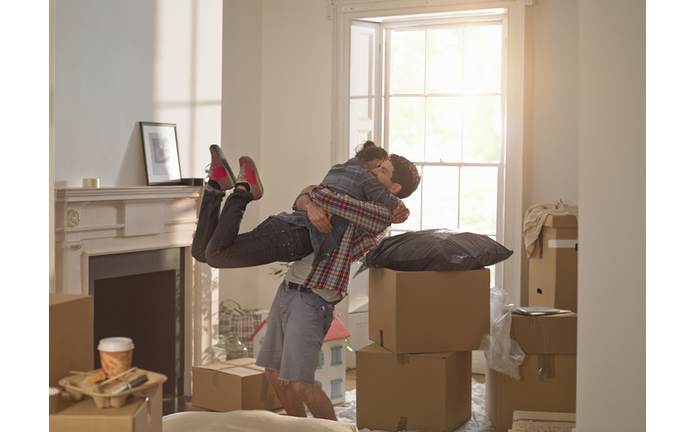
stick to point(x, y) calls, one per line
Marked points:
point(430, 391)
point(424, 312)
point(137, 415)
point(553, 271)
point(536, 421)
point(548, 334)
point(70, 335)
point(233, 385)
point(548, 373)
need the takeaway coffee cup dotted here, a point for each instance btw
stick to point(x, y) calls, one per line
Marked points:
point(116, 355)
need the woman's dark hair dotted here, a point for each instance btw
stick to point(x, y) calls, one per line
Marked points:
point(369, 151)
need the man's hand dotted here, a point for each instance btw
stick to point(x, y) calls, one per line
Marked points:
point(316, 215)
point(319, 217)
point(400, 214)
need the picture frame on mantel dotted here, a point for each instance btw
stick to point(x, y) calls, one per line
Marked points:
point(160, 146)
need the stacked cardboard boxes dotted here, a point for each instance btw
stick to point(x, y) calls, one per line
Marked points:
point(548, 372)
point(424, 325)
point(71, 348)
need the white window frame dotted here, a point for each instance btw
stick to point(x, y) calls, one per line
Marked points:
point(344, 11)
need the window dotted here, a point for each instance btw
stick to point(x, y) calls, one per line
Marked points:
point(336, 389)
point(337, 356)
point(443, 105)
point(403, 78)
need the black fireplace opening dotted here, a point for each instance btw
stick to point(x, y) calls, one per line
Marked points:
point(140, 295)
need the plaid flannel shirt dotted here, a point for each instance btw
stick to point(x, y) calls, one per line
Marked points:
point(369, 222)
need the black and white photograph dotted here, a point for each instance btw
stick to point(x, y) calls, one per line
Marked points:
point(160, 145)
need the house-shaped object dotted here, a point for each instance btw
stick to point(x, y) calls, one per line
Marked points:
point(332, 365)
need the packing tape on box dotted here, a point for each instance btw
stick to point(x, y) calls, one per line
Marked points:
point(215, 379)
point(403, 359)
point(562, 244)
point(546, 367)
point(268, 402)
point(402, 424)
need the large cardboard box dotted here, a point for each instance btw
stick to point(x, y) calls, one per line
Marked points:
point(233, 385)
point(548, 373)
point(430, 391)
point(553, 272)
point(424, 312)
point(137, 415)
point(70, 335)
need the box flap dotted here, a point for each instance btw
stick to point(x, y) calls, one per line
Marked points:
point(561, 221)
point(544, 416)
point(58, 298)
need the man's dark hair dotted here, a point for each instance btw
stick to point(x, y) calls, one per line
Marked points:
point(404, 173)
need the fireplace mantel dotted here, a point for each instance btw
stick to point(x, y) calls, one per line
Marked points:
point(111, 220)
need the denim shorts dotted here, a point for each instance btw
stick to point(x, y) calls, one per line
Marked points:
point(297, 325)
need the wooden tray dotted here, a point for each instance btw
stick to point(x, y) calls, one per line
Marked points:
point(79, 386)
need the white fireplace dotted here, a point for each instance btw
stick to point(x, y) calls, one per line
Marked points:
point(96, 222)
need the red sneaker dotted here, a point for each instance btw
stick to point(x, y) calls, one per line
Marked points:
point(248, 174)
point(220, 175)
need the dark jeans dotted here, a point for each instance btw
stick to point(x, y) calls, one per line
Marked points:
point(218, 243)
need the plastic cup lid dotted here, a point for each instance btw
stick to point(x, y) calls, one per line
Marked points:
point(116, 344)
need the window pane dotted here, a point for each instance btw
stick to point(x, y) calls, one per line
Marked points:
point(482, 129)
point(407, 127)
point(445, 74)
point(444, 129)
point(482, 62)
point(478, 200)
point(407, 62)
point(440, 190)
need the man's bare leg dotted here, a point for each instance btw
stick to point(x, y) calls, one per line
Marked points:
point(316, 400)
point(291, 402)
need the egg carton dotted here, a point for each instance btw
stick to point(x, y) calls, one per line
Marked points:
point(78, 386)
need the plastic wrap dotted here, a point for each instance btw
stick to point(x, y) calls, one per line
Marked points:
point(503, 354)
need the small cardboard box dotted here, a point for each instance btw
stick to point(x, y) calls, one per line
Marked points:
point(548, 373)
point(137, 415)
point(428, 311)
point(537, 421)
point(70, 335)
point(233, 385)
point(553, 271)
point(430, 391)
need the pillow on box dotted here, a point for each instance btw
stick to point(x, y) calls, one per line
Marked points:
point(436, 250)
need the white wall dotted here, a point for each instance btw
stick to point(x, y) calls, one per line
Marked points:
point(550, 145)
point(611, 375)
point(277, 109)
point(118, 63)
point(555, 102)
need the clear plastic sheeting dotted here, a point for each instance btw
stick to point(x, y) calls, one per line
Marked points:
point(503, 354)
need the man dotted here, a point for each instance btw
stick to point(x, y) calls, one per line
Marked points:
point(302, 310)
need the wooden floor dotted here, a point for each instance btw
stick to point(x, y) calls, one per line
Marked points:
point(351, 379)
